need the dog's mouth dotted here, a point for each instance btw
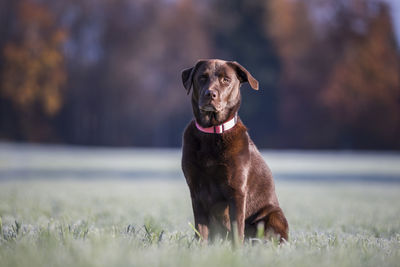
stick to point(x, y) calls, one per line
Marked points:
point(211, 114)
point(211, 107)
point(208, 108)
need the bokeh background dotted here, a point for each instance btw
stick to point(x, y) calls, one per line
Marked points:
point(107, 72)
point(100, 81)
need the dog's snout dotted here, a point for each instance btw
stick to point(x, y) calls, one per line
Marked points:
point(212, 94)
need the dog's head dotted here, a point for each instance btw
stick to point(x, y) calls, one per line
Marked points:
point(216, 89)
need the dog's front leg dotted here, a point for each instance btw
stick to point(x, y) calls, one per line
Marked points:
point(237, 216)
point(202, 227)
point(201, 221)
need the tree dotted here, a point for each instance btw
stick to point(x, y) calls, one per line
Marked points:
point(33, 73)
point(304, 67)
point(237, 29)
point(340, 76)
point(363, 93)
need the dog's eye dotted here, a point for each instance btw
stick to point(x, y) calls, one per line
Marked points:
point(226, 80)
point(203, 78)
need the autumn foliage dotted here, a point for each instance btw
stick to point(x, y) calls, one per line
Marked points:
point(107, 72)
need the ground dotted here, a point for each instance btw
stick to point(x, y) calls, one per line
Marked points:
point(62, 206)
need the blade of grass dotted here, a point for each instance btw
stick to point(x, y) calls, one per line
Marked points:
point(260, 230)
point(195, 230)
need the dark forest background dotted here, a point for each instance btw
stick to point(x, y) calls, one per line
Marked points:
point(102, 72)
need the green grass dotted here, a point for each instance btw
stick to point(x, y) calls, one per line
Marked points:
point(145, 223)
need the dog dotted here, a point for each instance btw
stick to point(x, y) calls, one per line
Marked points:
point(231, 186)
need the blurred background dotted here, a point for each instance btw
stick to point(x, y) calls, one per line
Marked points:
point(107, 73)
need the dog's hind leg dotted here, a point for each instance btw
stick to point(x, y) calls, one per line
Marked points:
point(271, 220)
point(275, 223)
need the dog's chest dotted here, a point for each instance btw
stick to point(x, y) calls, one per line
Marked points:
point(210, 163)
point(213, 170)
point(212, 174)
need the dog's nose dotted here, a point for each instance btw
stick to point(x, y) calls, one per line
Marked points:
point(211, 94)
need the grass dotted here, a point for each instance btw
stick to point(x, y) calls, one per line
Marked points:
point(63, 206)
point(145, 223)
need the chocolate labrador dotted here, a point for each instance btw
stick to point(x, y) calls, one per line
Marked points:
point(230, 184)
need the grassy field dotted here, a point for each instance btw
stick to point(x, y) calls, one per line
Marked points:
point(97, 207)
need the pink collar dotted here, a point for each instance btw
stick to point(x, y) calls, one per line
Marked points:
point(218, 129)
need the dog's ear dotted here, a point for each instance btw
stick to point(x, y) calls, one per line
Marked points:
point(187, 76)
point(244, 75)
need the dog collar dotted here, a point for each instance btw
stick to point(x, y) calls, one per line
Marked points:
point(218, 129)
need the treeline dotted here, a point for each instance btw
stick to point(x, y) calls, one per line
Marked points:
point(108, 72)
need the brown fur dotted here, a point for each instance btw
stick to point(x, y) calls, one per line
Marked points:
point(227, 176)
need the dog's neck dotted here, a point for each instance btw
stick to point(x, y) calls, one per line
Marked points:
point(218, 129)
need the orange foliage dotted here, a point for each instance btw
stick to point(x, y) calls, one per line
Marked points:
point(34, 70)
point(342, 86)
point(364, 89)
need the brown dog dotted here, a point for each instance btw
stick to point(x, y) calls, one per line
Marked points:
point(229, 182)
